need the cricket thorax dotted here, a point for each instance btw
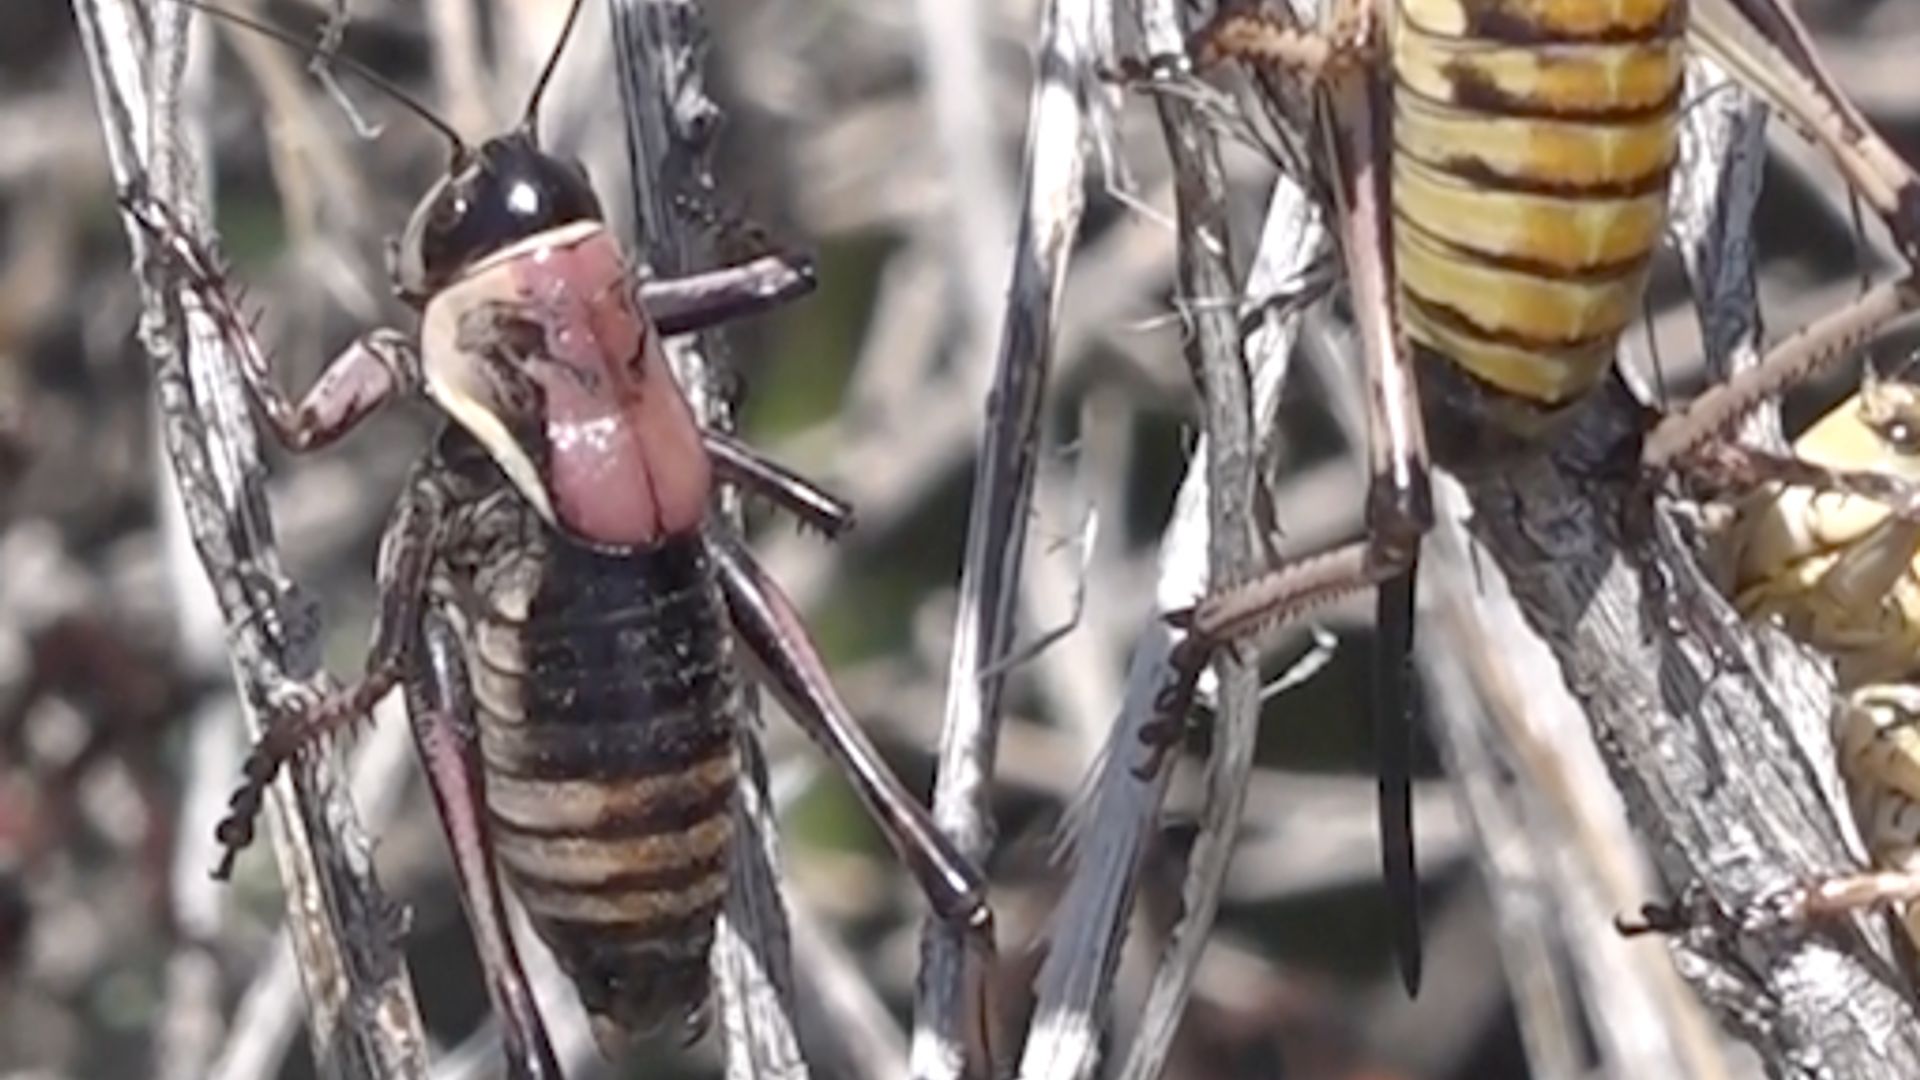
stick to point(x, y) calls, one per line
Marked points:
point(1532, 147)
point(541, 353)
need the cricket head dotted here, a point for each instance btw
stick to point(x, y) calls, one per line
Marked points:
point(1878, 429)
point(491, 198)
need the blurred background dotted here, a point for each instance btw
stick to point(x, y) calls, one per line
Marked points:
point(119, 740)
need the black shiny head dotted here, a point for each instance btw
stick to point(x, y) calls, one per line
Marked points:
point(506, 191)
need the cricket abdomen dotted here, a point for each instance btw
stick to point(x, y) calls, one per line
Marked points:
point(1532, 142)
point(605, 701)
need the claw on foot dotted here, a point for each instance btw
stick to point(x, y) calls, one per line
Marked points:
point(1654, 919)
point(1161, 736)
point(1696, 909)
point(1174, 703)
point(294, 724)
point(1693, 909)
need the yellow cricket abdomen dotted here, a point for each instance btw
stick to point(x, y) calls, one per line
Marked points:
point(1532, 144)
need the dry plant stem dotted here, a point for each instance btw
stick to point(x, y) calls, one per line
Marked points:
point(1553, 841)
point(1716, 191)
point(267, 1017)
point(956, 74)
point(1724, 762)
point(192, 1020)
point(949, 1023)
point(1213, 352)
point(1524, 908)
point(459, 86)
point(658, 49)
point(363, 1020)
point(1110, 832)
point(840, 996)
point(1718, 741)
point(213, 760)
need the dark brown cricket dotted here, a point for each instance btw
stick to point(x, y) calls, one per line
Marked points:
point(555, 596)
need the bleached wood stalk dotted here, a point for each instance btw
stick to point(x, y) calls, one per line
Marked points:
point(1213, 353)
point(950, 1036)
point(362, 1018)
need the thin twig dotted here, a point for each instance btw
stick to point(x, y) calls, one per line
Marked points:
point(949, 1030)
point(213, 760)
point(363, 1020)
point(1110, 831)
point(266, 1020)
point(1555, 846)
point(1716, 190)
point(1213, 352)
point(844, 1001)
point(457, 74)
point(976, 220)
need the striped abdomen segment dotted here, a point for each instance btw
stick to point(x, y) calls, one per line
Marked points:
point(609, 742)
point(1532, 144)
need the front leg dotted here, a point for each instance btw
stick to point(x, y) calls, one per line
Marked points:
point(440, 705)
point(376, 367)
point(686, 305)
point(407, 552)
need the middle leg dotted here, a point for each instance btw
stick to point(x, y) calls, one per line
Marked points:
point(407, 553)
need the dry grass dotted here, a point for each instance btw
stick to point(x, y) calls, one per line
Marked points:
point(888, 139)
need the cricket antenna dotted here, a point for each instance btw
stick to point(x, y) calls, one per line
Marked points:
point(312, 52)
point(530, 121)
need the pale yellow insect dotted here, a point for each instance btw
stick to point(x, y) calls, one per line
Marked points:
point(1842, 573)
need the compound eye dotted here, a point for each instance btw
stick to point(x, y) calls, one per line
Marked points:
point(445, 213)
point(1903, 435)
point(445, 217)
point(424, 264)
point(449, 236)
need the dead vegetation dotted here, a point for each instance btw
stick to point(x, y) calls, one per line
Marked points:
point(889, 140)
